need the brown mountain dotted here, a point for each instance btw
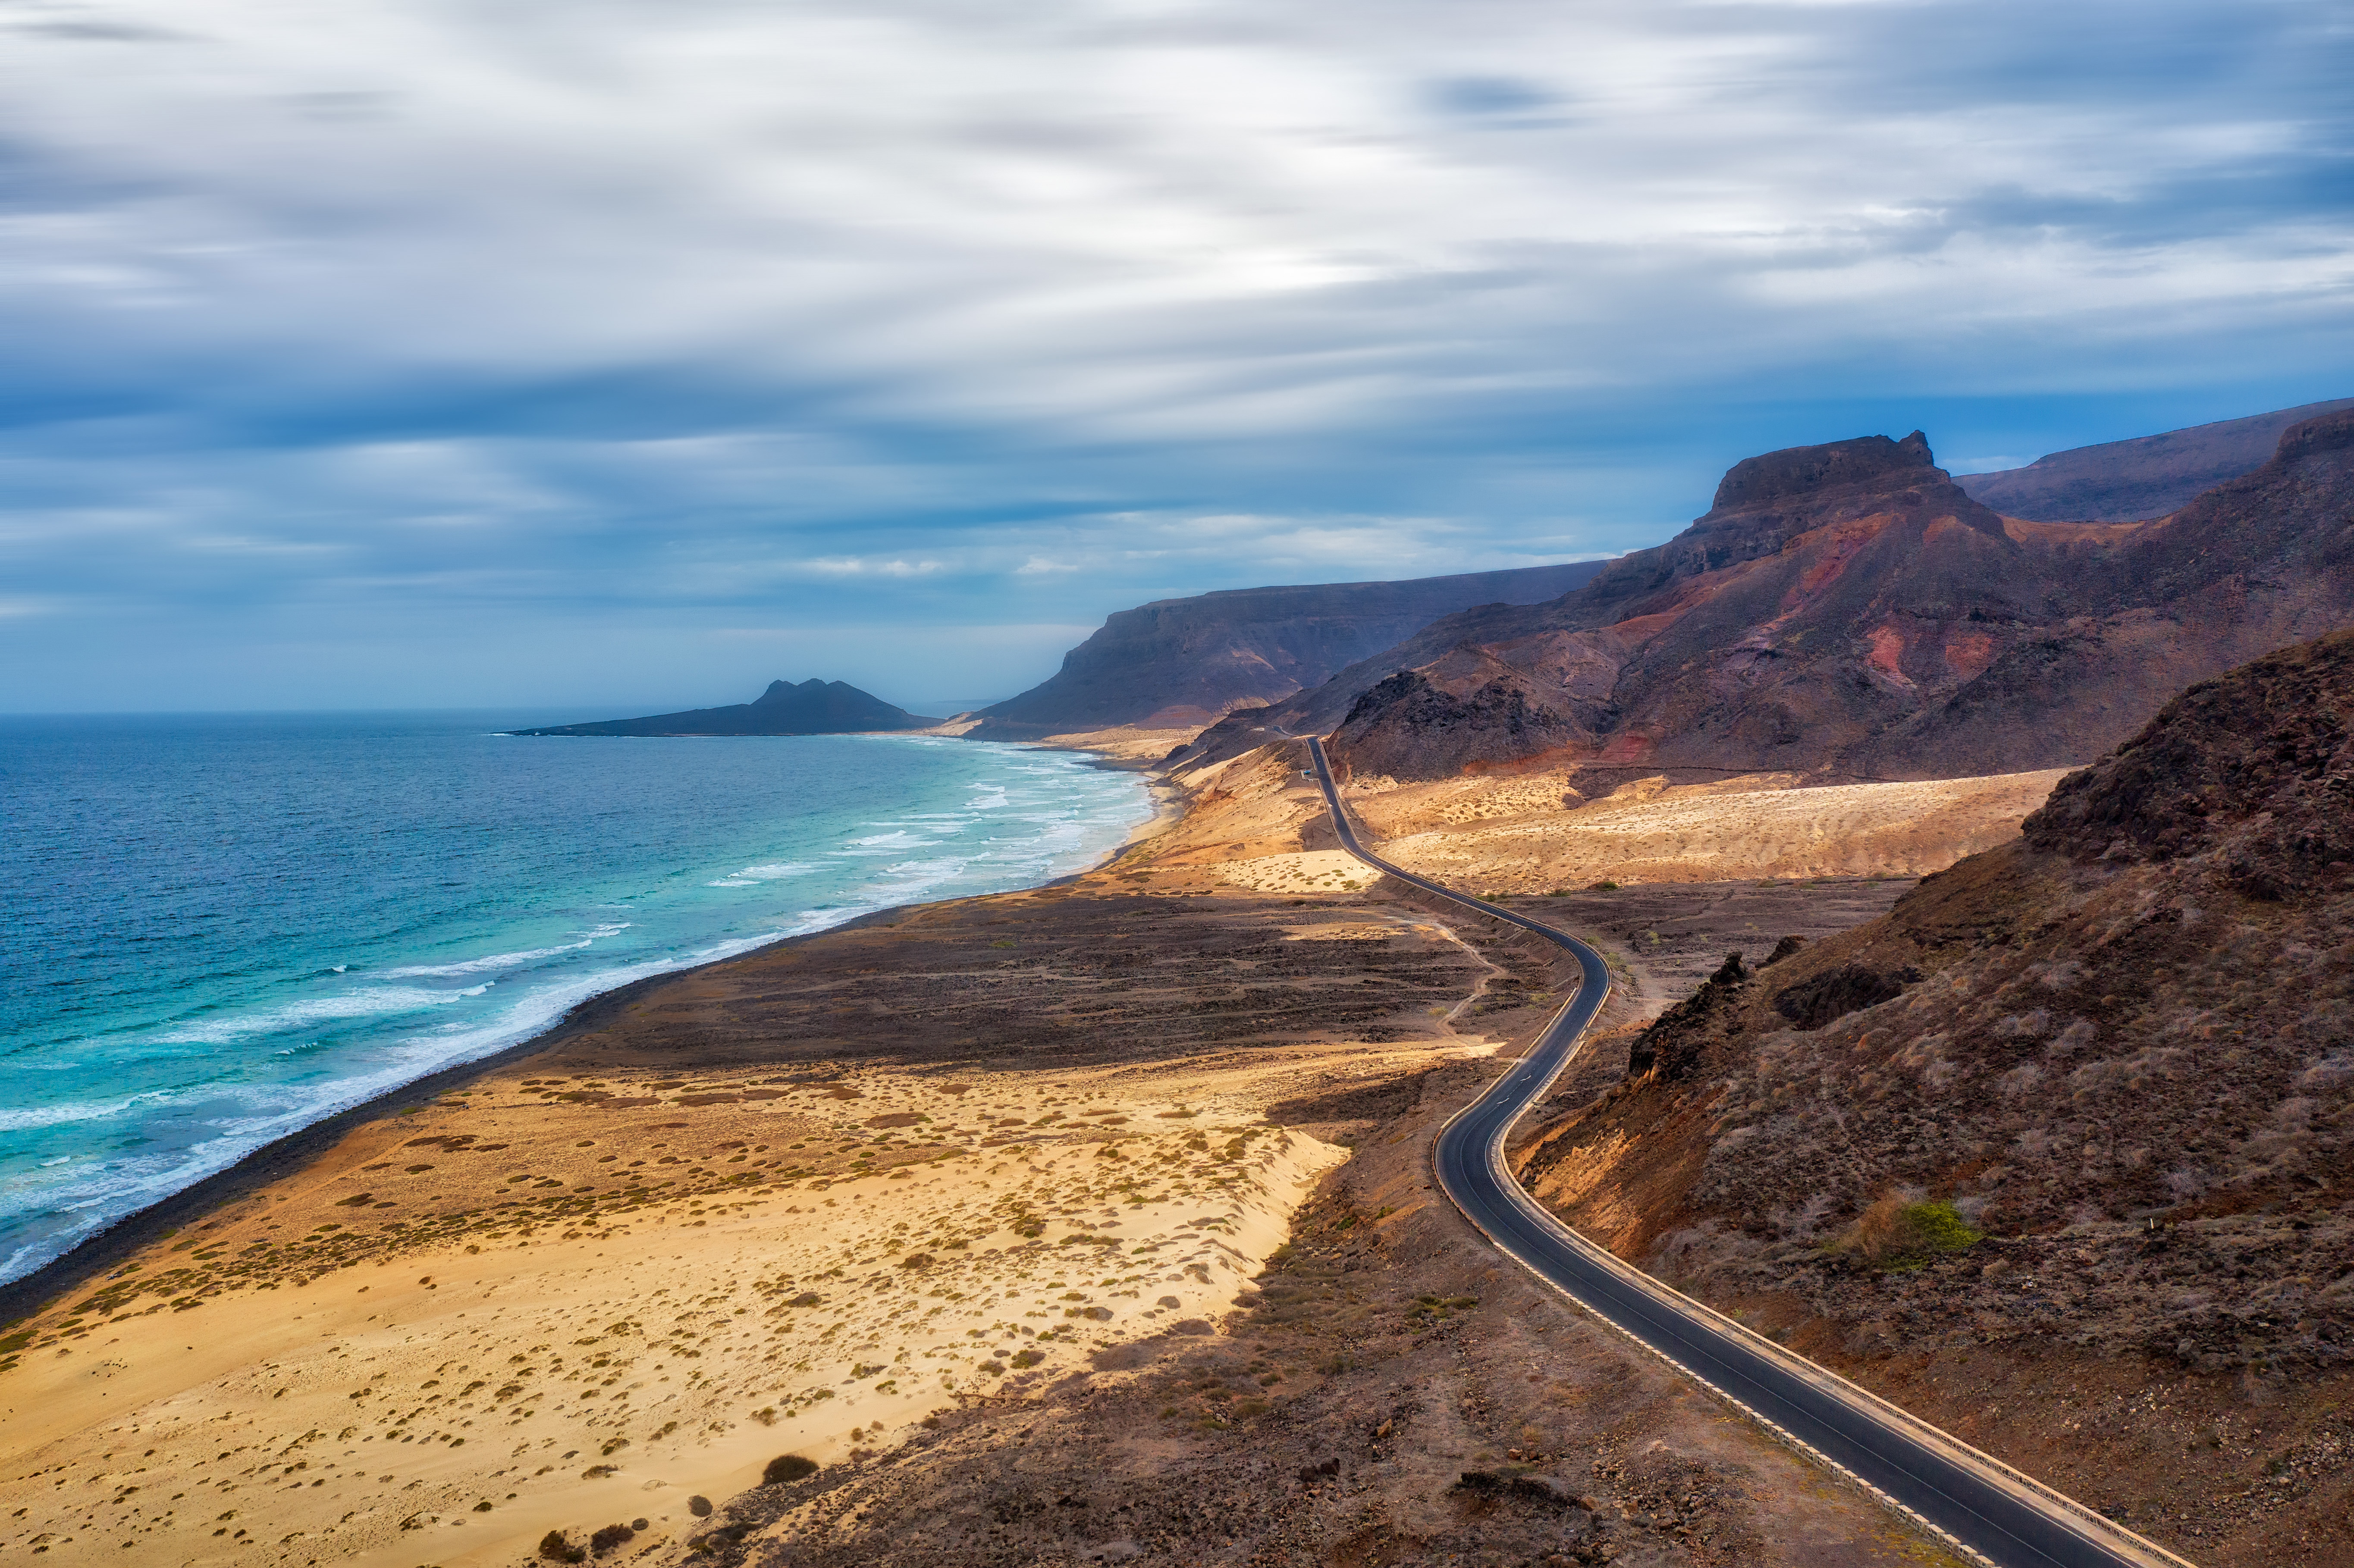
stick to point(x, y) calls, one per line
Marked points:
point(1848, 612)
point(2149, 476)
point(1184, 661)
point(2121, 1046)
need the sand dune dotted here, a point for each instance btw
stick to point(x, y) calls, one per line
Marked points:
point(552, 1304)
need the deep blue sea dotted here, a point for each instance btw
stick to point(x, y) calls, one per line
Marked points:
point(220, 929)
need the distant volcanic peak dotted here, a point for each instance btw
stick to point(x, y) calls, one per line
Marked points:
point(785, 692)
point(2327, 433)
point(813, 707)
point(1800, 471)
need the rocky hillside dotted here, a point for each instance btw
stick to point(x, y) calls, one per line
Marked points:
point(1179, 662)
point(2081, 1107)
point(813, 707)
point(2149, 476)
point(1849, 612)
point(2138, 1014)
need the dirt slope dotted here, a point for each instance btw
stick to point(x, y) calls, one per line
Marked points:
point(2120, 1050)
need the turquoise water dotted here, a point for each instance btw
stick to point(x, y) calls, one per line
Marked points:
point(220, 929)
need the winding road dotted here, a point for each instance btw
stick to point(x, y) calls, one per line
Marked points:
point(1991, 1511)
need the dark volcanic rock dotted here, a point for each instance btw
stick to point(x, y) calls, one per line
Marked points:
point(1679, 1038)
point(1179, 661)
point(2149, 476)
point(2274, 739)
point(813, 707)
point(1832, 995)
point(1407, 728)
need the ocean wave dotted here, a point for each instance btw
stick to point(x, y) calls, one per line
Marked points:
point(754, 875)
point(399, 1023)
point(898, 838)
point(482, 966)
point(27, 1118)
point(376, 1002)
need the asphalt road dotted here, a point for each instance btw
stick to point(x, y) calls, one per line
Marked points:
point(1994, 1512)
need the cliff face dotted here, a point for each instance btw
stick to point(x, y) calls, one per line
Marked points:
point(813, 707)
point(2138, 1014)
point(1848, 611)
point(1185, 661)
point(2149, 476)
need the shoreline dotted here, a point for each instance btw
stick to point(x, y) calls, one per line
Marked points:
point(27, 1295)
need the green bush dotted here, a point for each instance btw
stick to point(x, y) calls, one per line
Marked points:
point(1896, 1233)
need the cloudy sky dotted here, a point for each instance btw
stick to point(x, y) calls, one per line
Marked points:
point(632, 353)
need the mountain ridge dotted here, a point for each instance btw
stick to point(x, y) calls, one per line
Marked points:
point(1185, 661)
point(2142, 477)
point(1849, 612)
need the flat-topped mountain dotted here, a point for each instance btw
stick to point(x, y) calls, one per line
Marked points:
point(2149, 476)
point(1848, 612)
point(1184, 661)
point(813, 707)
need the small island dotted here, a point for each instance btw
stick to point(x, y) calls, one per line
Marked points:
point(813, 707)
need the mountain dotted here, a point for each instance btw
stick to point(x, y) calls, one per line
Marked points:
point(2149, 476)
point(1184, 661)
point(1848, 611)
point(2126, 1037)
point(813, 707)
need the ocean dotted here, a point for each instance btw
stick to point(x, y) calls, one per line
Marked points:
point(222, 928)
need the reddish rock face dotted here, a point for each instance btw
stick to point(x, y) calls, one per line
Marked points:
point(1848, 612)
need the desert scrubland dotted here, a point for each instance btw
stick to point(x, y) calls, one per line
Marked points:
point(1534, 833)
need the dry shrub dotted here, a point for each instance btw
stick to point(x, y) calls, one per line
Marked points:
point(1898, 1232)
point(787, 1467)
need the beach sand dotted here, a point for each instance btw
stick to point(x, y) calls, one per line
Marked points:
point(582, 1312)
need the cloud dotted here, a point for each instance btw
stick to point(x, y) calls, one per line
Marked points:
point(852, 567)
point(578, 314)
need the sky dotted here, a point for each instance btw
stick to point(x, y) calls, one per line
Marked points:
point(630, 354)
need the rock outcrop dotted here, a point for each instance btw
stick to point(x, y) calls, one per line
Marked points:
point(813, 707)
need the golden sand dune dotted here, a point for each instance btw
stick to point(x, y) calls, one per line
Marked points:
point(545, 1301)
point(1531, 835)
